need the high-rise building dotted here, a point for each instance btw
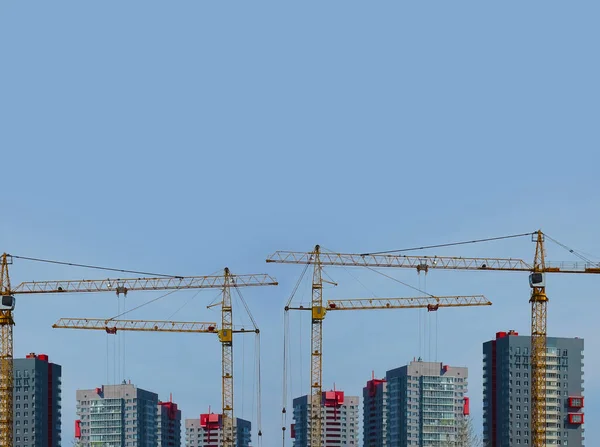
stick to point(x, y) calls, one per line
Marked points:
point(117, 416)
point(339, 420)
point(374, 413)
point(426, 404)
point(169, 424)
point(37, 402)
point(207, 432)
point(507, 385)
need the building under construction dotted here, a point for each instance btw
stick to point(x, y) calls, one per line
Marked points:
point(506, 391)
point(426, 404)
point(339, 419)
point(37, 402)
point(374, 413)
point(207, 431)
point(117, 416)
point(169, 424)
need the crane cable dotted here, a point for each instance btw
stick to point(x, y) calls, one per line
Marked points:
point(143, 304)
point(117, 340)
point(256, 367)
point(420, 317)
point(450, 244)
point(153, 300)
point(186, 303)
point(286, 355)
point(243, 374)
point(239, 293)
point(347, 270)
point(401, 282)
point(107, 359)
point(123, 337)
point(259, 391)
point(573, 251)
point(96, 267)
point(286, 329)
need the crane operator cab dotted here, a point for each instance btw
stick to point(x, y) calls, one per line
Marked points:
point(7, 302)
point(537, 279)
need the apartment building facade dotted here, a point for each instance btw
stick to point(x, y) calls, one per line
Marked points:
point(207, 431)
point(426, 404)
point(339, 420)
point(37, 402)
point(374, 413)
point(117, 416)
point(169, 424)
point(507, 387)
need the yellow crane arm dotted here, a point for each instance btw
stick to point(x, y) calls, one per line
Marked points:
point(431, 303)
point(424, 263)
point(111, 326)
point(128, 284)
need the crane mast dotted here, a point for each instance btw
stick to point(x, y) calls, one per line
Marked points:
point(6, 357)
point(226, 338)
point(539, 318)
point(316, 346)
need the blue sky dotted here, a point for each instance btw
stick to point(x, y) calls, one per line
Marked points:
point(183, 137)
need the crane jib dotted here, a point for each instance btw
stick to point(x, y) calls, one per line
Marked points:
point(424, 263)
point(131, 284)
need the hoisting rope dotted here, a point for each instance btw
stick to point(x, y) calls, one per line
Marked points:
point(286, 329)
point(256, 368)
point(286, 357)
point(243, 374)
point(123, 336)
point(259, 393)
point(420, 316)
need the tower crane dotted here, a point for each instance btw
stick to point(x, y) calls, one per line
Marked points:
point(118, 286)
point(431, 303)
point(538, 298)
point(112, 326)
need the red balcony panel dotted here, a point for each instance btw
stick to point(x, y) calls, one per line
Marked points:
point(576, 401)
point(333, 398)
point(576, 418)
point(210, 421)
